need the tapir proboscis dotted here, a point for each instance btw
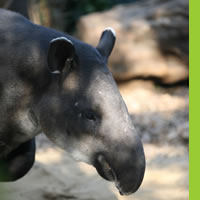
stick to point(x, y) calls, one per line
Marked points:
point(51, 82)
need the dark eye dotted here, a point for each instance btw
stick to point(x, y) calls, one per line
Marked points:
point(90, 116)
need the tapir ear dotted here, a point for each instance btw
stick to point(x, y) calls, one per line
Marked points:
point(106, 42)
point(60, 50)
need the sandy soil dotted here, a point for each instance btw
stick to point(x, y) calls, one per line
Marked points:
point(56, 176)
point(161, 118)
point(160, 114)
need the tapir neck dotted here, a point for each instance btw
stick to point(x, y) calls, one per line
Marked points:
point(24, 76)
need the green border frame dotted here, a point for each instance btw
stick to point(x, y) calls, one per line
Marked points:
point(194, 111)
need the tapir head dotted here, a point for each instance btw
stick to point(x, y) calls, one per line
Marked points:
point(84, 113)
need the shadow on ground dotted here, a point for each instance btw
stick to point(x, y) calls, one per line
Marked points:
point(56, 176)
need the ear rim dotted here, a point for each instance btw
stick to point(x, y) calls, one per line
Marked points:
point(110, 29)
point(61, 38)
point(67, 43)
point(106, 33)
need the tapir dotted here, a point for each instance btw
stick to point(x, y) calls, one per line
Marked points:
point(54, 84)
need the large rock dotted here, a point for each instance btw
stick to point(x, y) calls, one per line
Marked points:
point(152, 38)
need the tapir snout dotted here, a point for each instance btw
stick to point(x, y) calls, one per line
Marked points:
point(125, 167)
point(119, 154)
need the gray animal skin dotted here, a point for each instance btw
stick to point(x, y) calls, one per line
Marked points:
point(52, 83)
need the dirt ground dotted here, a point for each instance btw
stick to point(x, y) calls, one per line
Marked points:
point(161, 118)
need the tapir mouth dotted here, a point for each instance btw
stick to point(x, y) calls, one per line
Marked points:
point(106, 171)
point(104, 168)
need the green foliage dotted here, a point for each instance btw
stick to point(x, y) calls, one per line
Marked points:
point(76, 8)
point(3, 171)
point(3, 174)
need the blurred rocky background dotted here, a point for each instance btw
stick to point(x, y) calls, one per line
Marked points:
point(151, 66)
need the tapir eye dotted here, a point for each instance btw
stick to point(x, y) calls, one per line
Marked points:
point(89, 115)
